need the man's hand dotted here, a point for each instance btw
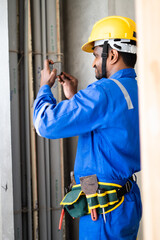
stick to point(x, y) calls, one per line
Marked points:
point(69, 84)
point(48, 77)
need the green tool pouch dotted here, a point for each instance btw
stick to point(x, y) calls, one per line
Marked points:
point(78, 204)
point(75, 202)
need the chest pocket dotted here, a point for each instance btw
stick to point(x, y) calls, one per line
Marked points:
point(125, 93)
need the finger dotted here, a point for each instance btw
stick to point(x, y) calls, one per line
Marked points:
point(64, 77)
point(50, 61)
point(53, 74)
point(60, 79)
point(54, 71)
point(68, 76)
point(46, 64)
point(61, 82)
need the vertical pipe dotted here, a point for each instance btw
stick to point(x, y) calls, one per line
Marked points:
point(60, 59)
point(55, 158)
point(32, 131)
point(148, 18)
point(37, 64)
point(22, 120)
point(47, 158)
point(27, 125)
point(15, 121)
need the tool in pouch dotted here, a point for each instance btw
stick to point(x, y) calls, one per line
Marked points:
point(62, 214)
point(89, 186)
point(73, 182)
point(101, 191)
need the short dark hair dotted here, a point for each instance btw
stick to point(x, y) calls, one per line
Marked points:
point(128, 58)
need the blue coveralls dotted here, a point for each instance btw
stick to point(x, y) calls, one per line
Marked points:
point(105, 117)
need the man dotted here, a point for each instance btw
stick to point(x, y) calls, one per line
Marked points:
point(105, 117)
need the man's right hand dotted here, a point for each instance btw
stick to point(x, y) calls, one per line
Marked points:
point(69, 84)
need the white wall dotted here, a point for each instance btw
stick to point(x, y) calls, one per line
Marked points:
point(6, 195)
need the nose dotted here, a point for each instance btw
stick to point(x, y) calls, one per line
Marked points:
point(94, 64)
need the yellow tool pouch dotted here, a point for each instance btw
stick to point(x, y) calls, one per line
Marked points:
point(77, 204)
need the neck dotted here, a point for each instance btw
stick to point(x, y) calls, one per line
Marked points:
point(115, 69)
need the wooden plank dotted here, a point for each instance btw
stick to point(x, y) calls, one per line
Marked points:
point(148, 18)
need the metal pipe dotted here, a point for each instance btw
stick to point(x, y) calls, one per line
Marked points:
point(47, 158)
point(32, 131)
point(60, 59)
point(22, 120)
point(52, 165)
point(51, 32)
point(15, 121)
point(27, 125)
point(54, 144)
point(37, 64)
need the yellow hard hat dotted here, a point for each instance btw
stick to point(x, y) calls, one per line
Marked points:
point(113, 27)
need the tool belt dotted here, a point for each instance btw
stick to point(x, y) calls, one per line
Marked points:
point(78, 204)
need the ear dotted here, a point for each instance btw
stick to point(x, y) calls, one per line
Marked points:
point(113, 56)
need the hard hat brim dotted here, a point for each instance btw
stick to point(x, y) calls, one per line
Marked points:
point(88, 47)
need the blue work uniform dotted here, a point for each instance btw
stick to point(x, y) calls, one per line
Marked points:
point(105, 117)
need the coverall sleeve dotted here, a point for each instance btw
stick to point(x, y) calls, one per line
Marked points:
point(82, 113)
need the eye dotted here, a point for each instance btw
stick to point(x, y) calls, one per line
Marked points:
point(95, 55)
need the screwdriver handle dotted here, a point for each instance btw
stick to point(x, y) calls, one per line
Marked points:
point(61, 219)
point(94, 214)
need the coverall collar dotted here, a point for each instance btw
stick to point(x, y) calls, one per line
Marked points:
point(126, 72)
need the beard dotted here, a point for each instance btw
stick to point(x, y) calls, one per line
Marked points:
point(98, 77)
point(98, 74)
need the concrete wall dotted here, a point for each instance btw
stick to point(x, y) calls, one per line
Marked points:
point(79, 18)
point(6, 192)
point(124, 8)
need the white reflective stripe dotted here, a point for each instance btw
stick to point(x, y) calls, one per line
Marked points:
point(39, 118)
point(125, 93)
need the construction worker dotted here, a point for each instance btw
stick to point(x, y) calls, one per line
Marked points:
point(105, 117)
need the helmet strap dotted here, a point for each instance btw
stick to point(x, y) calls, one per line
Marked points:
point(104, 59)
